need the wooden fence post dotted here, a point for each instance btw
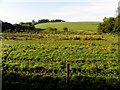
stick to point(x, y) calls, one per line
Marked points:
point(67, 75)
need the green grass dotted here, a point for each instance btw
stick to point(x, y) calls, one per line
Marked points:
point(72, 26)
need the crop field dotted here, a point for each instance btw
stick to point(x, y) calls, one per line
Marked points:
point(38, 61)
point(72, 26)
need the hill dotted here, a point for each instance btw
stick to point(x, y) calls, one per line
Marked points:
point(72, 26)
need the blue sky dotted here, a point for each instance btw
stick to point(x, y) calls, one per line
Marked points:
point(15, 11)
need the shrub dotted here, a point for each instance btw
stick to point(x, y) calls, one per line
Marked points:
point(51, 29)
point(109, 25)
point(65, 29)
point(55, 29)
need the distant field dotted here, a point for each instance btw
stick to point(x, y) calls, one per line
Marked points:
point(72, 26)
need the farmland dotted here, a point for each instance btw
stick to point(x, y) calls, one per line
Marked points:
point(39, 61)
point(72, 26)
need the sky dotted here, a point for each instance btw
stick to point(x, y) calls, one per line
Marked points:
point(15, 11)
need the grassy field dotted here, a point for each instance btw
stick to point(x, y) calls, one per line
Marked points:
point(39, 60)
point(72, 26)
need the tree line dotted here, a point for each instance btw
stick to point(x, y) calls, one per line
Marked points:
point(21, 27)
point(47, 21)
point(24, 26)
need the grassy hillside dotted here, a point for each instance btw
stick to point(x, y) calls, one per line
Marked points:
point(72, 26)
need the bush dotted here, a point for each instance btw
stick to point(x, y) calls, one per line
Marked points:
point(55, 29)
point(51, 29)
point(65, 29)
point(109, 25)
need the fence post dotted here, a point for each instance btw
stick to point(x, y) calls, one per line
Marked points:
point(67, 75)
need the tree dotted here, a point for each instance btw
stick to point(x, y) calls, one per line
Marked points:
point(33, 22)
point(43, 21)
point(0, 26)
point(23, 27)
point(8, 27)
point(17, 27)
point(47, 20)
point(21, 23)
point(118, 8)
point(109, 25)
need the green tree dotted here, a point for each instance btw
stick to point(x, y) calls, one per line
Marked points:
point(33, 22)
point(109, 25)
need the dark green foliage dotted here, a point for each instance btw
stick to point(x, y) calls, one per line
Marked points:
point(47, 21)
point(33, 22)
point(109, 25)
point(43, 21)
point(55, 29)
point(57, 20)
point(21, 27)
point(7, 27)
point(24, 26)
point(65, 29)
point(39, 82)
point(51, 29)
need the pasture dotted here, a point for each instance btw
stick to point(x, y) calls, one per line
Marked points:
point(72, 26)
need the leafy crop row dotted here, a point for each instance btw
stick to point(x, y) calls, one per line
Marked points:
point(90, 61)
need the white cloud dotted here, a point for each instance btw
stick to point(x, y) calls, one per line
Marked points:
point(96, 11)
